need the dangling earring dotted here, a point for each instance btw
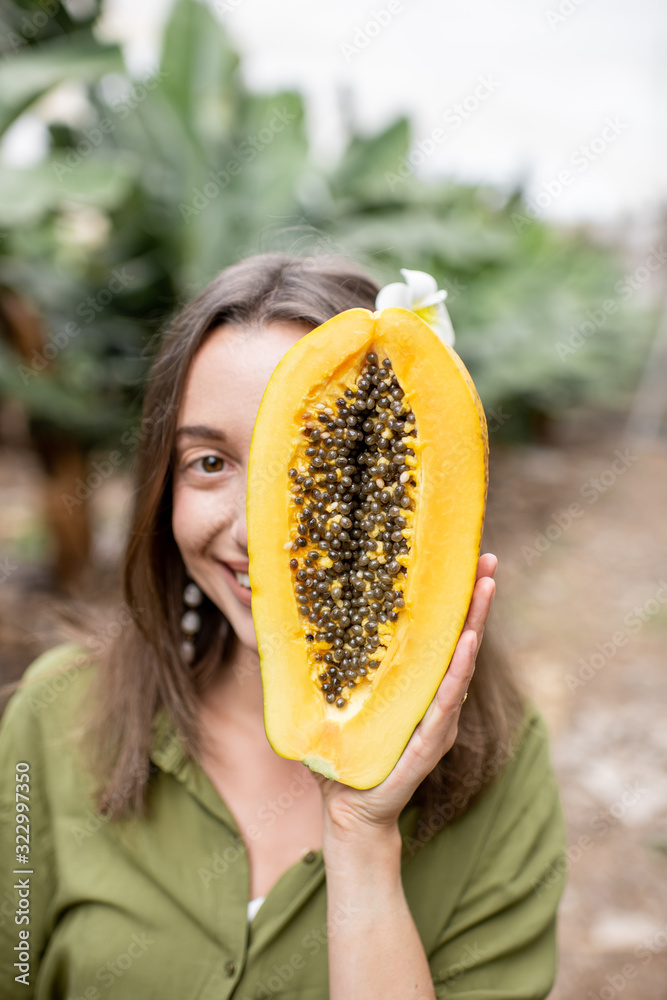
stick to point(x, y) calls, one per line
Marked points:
point(191, 620)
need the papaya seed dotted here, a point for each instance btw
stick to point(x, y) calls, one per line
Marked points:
point(351, 465)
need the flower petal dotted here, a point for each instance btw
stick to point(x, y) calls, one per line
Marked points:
point(396, 294)
point(422, 296)
point(432, 300)
point(438, 319)
point(420, 283)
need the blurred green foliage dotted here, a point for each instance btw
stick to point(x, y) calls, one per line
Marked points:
point(156, 184)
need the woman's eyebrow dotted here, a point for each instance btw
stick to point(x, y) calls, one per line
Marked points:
point(201, 431)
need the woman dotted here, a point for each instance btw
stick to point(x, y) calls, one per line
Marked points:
point(172, 853)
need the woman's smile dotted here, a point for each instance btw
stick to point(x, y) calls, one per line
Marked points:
point(217, 416)
point(239, 581)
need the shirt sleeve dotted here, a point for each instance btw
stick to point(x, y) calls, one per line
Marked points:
point(26, 888)
point(501, 941)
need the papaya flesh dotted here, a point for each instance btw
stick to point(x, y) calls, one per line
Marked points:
point(367, 488)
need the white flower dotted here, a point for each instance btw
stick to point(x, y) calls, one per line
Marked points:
point(420, 293)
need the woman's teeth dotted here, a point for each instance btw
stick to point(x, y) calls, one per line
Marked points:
point(243, 579)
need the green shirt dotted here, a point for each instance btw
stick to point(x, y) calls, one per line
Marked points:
point(157, 908)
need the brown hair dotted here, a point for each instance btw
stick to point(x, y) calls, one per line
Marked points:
point(143, 669)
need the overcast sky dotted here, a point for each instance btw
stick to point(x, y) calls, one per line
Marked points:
point(565, 95)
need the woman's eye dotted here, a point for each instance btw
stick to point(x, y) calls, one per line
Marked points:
point(210, 463)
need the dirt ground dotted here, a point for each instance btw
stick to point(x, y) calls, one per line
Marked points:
point(583, 598)
point(580, 529)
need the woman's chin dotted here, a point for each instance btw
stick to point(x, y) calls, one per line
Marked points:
point(244, 630)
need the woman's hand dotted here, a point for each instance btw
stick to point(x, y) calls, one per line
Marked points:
point(351, 811)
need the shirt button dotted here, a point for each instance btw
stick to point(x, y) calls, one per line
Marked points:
point(309, 857)
point(230, 968)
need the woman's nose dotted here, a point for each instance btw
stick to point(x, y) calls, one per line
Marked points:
point(239, 530)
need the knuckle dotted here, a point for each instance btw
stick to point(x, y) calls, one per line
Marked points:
point(452, 737)
point(422, 749)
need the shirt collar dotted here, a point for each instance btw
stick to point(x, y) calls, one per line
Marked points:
point(168, 753)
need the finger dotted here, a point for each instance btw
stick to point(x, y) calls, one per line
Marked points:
point(450, 694)
point(437, 730)
point(480, 605)
point(454, 684)
point(487, 565)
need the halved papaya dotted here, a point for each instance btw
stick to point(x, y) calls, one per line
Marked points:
point(366, 496)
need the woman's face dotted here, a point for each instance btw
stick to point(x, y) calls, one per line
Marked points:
point(215, 423)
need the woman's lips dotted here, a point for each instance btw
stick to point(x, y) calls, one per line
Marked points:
point(242, 594)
